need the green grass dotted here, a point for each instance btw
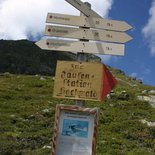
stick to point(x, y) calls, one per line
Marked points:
point(26, 127)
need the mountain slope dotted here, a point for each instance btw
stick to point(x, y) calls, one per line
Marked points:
point(24, 57)
point(27, 108)
point(27, 111)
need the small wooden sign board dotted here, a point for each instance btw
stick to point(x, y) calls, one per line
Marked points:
point(82, 46)
point(75, 130)
point(89, 22)
point(78, 80)
point(88, 34)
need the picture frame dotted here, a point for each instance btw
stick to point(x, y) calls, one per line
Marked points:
point(75, 130)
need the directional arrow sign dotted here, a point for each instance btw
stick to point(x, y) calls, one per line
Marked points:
point(90, 22)
point(86, 10)
point(88, 34)
point(84, 47)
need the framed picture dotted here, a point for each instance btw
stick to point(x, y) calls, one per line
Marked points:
point(75, 130)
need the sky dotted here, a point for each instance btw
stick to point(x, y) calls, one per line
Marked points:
point(25, 19)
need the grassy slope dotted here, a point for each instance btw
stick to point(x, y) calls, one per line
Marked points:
point(25, 125)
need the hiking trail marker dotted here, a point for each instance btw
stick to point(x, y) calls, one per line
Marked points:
point(91, 22)
point(106, 36)
point(89, 34)
point(75, 126)
point(75, 80)
point(81, 46)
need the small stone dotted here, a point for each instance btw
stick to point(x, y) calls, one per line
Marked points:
point(152, 92)
point(47, 147)
point(145, 92)
point(150, 124)
point(46, 111)
point(42, 79)
point(12, 116)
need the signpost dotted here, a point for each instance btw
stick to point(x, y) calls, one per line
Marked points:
point(82, 7)
point(91, 26)
point(88, 34)
point(91, 22)
point(83, 47)
point(75, 80)
point(75, 127)
point(105, 33)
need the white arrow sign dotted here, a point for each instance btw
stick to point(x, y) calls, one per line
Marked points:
point(88, 34)
point(91, 22)
point(84, 47)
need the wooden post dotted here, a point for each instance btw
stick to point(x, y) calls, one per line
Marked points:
point(82, 57)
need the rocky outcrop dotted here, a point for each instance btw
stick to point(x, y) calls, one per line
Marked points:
point(123, 95)
point(148, 96)
point(149, 124)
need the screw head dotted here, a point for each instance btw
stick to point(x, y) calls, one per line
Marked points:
point(49, 30)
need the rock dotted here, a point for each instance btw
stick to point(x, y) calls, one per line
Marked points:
point(111, 105)
point(150, 124)
point(7, 74)
point(13, 119)
point(152, 92)
point(50, 102)
point(141, 98)
point(144, 98)
point(108, 97)
point(45, 111)
point(123, 92)
point(111, 95)
point(133, 78)
point(123, 95)
point(145, 92)
point(46, 147)
point(12, 116)
point(120, 72)
point(140, 81)
point(31, 117)
point(150, 99)
point(42, 79)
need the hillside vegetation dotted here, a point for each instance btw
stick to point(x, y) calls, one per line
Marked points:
point(27, 108)
point(27, 116)
point(24, 57)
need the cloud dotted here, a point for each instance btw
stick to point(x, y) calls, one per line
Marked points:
point(20, 19)
point(149, 29)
